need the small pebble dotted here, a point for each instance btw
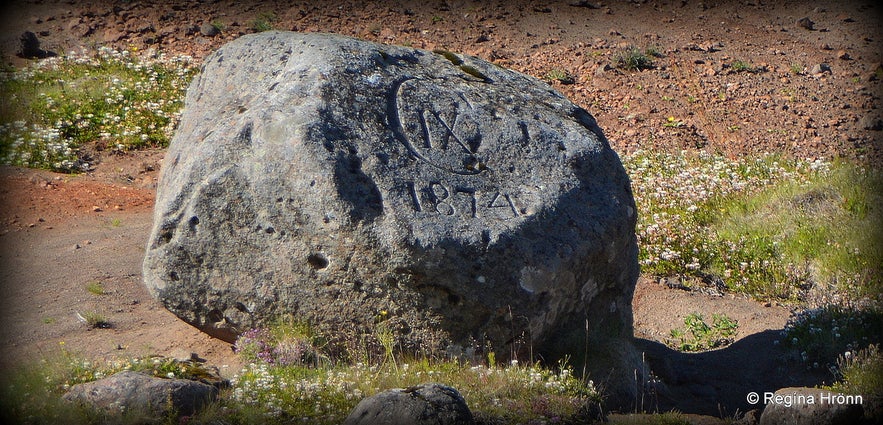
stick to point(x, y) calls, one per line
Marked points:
point(805, 23)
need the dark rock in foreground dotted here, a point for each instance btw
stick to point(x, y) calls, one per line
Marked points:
point(429, 404)
point(132, 392)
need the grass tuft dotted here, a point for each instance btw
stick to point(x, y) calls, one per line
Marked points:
point(95, 288)
point(95, 320)
point(742, 66)
point(633, 59)
point(263, 22)
point(560, 75)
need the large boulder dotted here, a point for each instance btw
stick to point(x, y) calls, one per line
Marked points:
point(465, 207)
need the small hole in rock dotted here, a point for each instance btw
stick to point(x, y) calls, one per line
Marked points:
point(318, 261)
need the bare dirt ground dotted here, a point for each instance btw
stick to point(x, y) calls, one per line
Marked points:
point(59, 233)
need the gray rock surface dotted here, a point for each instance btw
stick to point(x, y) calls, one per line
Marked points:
point(466, 207)
point(425, 404)
point(209, 30)
point(132, 392)
point(811, 406)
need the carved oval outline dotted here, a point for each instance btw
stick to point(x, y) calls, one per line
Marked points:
point(396, 121)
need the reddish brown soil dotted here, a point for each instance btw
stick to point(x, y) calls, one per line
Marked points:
point(58, 233)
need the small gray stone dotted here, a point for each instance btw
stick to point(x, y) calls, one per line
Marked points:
point(425, 404)
point(602, 69)
point(805, 23)
point(870, 122)
point(209, 30)
point(810, 406)
point(820, 69)
point(128, 391)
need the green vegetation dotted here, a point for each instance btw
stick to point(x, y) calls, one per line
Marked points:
point(823, 333)
point(768, 227)
point(860, 372)
point(451, 56)
point(95, 320)
point(473, 71)
point(289, 355)
point(742, 66)
point(263, 22)
point(218, 25)
point(560, 75)
point(32, 393)
point(700, 336)
point(667, 418)
point(653, 51)
point(803, 232)
point(281, 384)
point(673, 122)
point(113, 98)
point(634, 59)
point(822, 233)
point(95, 288)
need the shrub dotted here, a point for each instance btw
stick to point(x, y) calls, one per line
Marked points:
point(633, 59)
point(699, 336)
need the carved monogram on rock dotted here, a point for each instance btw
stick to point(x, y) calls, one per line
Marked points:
point(440, 126)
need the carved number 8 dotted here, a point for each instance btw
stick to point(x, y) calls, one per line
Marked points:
point(441, 206)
